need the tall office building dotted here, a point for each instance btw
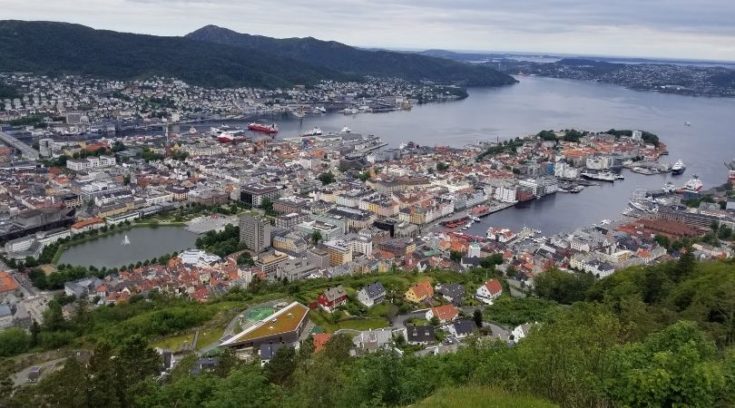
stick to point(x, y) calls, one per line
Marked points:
point(255, 232)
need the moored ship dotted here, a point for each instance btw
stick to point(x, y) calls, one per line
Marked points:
point(259, 127)
point(601, 176)
point(693, 185)
point(678, 168)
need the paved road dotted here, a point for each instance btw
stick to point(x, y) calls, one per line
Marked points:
point(399, 322)
point(21, 377)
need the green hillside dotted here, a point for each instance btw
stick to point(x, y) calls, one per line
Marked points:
point(654, 336)
point(341, 57)
point(60, 48)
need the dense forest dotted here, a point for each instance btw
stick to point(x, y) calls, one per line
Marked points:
point(61, 48)
point(209, 60)
point(658, 336)
point(343, 58)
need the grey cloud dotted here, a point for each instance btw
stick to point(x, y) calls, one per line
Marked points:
point(677, 28)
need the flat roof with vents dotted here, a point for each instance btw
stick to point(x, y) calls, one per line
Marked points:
point(284, 321)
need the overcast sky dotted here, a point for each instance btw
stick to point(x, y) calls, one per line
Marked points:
point(696, 29)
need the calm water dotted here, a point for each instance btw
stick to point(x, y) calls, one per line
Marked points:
point(145, 243)
point(544, 103)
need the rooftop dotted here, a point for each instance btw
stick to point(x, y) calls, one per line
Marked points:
point(283, 321)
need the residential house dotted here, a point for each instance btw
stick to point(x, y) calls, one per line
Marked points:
point(332, 298)
point(445, 313)
point(420, 335)
point(373, 340)
point(489, 291)
point(420, 292)
point(371, 294)
point(462, 328)
point(451, 292)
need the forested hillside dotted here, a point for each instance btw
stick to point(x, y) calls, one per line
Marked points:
point(62, 48)
point(351, 60)
point(657, 336)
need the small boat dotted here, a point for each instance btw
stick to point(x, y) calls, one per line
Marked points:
point(126, 240)
point(687, 123)
point(669, 187)
point(678, 168)
point(605, 222)
point(345, 130)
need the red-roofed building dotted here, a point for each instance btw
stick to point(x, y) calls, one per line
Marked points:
point(445, 313)
point(420, 292)
point(489, 291)
point(8, 285)
point(320, 341)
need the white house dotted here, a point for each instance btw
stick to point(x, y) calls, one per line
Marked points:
point(489, 291)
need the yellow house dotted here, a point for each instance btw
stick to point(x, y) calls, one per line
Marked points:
point(419, 292)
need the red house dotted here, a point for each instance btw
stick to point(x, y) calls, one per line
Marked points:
point(332, 298)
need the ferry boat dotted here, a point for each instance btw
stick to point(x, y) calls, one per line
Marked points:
point(678, 168)
point(693, 185)
point(643, 170)
point(602, 176)
point(313, 132)
point(259, 127)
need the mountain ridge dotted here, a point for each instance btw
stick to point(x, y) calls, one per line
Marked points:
point(63, 48)
point(357, 61)
point(216, 57)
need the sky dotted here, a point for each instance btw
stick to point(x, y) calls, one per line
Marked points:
point(686, 29)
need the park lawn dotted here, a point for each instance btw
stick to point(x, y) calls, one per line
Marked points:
point(362, 324)
point(382, 310)
point(323, 320)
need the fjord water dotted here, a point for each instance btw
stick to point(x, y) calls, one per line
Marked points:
point(544, 103)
